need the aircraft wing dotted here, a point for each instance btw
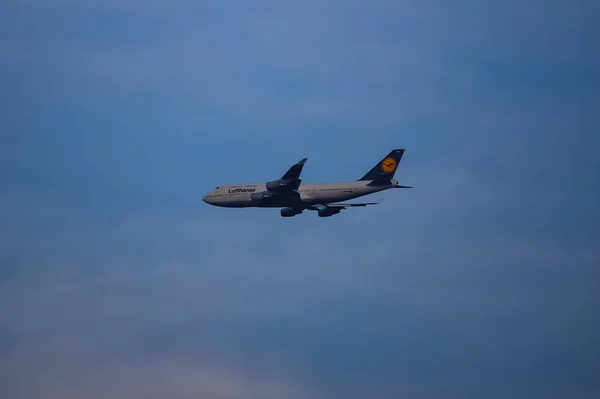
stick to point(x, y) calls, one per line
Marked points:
point(338, 206)
point(289, 182)
point(350, 205)
point(294, 172)
point(285, 189)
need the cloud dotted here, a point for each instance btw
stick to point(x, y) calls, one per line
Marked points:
point(150, 379)
point(156, 301)
point(116, 279)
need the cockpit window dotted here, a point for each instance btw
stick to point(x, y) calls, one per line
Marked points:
point(217, 187)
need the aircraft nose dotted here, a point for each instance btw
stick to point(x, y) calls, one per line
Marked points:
point(209, 198)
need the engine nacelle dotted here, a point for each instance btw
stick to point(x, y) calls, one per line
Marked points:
point(289, 212)
point(280, 185)
point(328, 212)
point(276, 185)
point(257, 198)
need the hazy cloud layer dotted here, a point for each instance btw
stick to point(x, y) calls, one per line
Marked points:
point(116, 280)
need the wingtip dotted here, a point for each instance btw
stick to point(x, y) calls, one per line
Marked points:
point(302, 161)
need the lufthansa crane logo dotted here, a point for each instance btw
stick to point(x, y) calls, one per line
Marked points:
point(389, 165)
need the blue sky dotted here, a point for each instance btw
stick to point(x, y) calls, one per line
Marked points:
point(117, 280)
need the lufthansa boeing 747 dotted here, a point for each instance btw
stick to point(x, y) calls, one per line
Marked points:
point(293, 196)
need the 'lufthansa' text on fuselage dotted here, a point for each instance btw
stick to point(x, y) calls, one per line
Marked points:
point(241, 190)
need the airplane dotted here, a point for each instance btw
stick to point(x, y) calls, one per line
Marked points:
point(293, 196)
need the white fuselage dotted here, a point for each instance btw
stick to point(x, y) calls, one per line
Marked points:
point(240, 195)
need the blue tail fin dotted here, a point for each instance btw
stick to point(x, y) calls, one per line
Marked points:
point(384, 171)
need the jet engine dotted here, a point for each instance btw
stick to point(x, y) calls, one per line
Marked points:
point(289, 212)
point(281, 185)
point(328, 212)
point(258, 198)
point(275, 185)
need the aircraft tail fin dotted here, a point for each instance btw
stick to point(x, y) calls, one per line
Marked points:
point(386, 168)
